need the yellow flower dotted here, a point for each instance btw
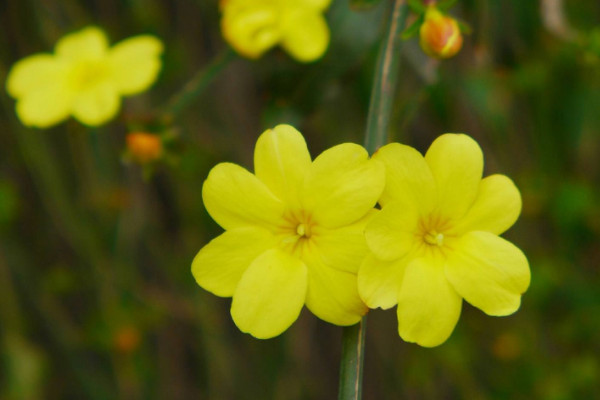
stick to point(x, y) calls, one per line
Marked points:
point(440, 35)
point(252, 27)
point(84, 78)
point(293, 232)
point(435, 240)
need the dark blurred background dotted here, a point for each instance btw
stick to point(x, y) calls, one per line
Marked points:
point(96, 296)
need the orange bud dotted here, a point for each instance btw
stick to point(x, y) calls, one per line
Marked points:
point(440, 34)
point(127, 339)
point(144, 147)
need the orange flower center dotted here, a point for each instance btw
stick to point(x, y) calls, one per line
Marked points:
point(433, 231)
point(297, 232)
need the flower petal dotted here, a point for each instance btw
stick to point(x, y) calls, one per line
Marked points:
point(270, 295)
point(496, 207)
point(408, 177)
point(315, 4)
point(489, 272)
point(281, 160)
point(218, 266)
point(428, 306)
point(235, 198)
point(332, 294)
point(97, 104)
point(88, 43)
point(344, 248)
point(250, 29)
point(305, 34)
point(46, 106)
point(342, 185)
point(379, 281)
point(392, 232)
point(135, 63)
point(456, 162)
point(34, 73)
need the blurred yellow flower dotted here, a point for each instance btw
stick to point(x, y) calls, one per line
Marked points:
point(293, 232)
point(84, 78)
point(435, 240)
point(252, 27)
point(440, 35)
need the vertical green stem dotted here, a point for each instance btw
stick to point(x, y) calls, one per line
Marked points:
point(382, 99)
point(386, 77)
point(353, 348)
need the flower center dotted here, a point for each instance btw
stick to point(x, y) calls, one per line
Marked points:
point(303, 230)
point(434, 238)
point(298, 232)
point(88, 73)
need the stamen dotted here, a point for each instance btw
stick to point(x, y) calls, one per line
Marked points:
point(301, 230)
point(434, 238)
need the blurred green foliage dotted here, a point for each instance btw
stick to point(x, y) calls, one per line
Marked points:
point(97, 299)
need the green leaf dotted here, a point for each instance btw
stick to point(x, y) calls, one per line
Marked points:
point(417, 6)
point(445, 5)
point(363, 5)
point(413, 29)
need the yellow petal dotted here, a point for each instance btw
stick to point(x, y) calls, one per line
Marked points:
point(332, 294)
point(250, 29)
point(344, 248)
point(305, 34)
point(342, 185)
point(135, 63)
point(235, 198)
point(379, 281)
point(315, 4)
point(218, 266)
point(88, 43)
point(281, 160)
point(408, 177)
point(392, 232)
point(97, 104)
point(489, 272)
point(35, 73)
point(46, 106)
point(496, 207)
point(428, 306)
point(456, 162)
point(270, 295)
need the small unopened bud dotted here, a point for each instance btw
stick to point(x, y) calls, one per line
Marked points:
point(440, 34)
point(144, 147)
point(127, 339)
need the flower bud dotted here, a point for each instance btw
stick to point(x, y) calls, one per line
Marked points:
point(440, 34)
point(127, 339)
point(144, 147)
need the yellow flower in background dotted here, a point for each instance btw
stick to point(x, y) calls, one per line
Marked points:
point(440, 35)
point(84, 78)
point(293, 232)
point(252, 27)
point(435, 240)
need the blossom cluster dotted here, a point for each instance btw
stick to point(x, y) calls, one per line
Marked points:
point(307, 232)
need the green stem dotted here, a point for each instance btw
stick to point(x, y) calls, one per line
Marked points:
point(353, 348)
point(382, 99)
point(196, 85)
point(386, 77)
